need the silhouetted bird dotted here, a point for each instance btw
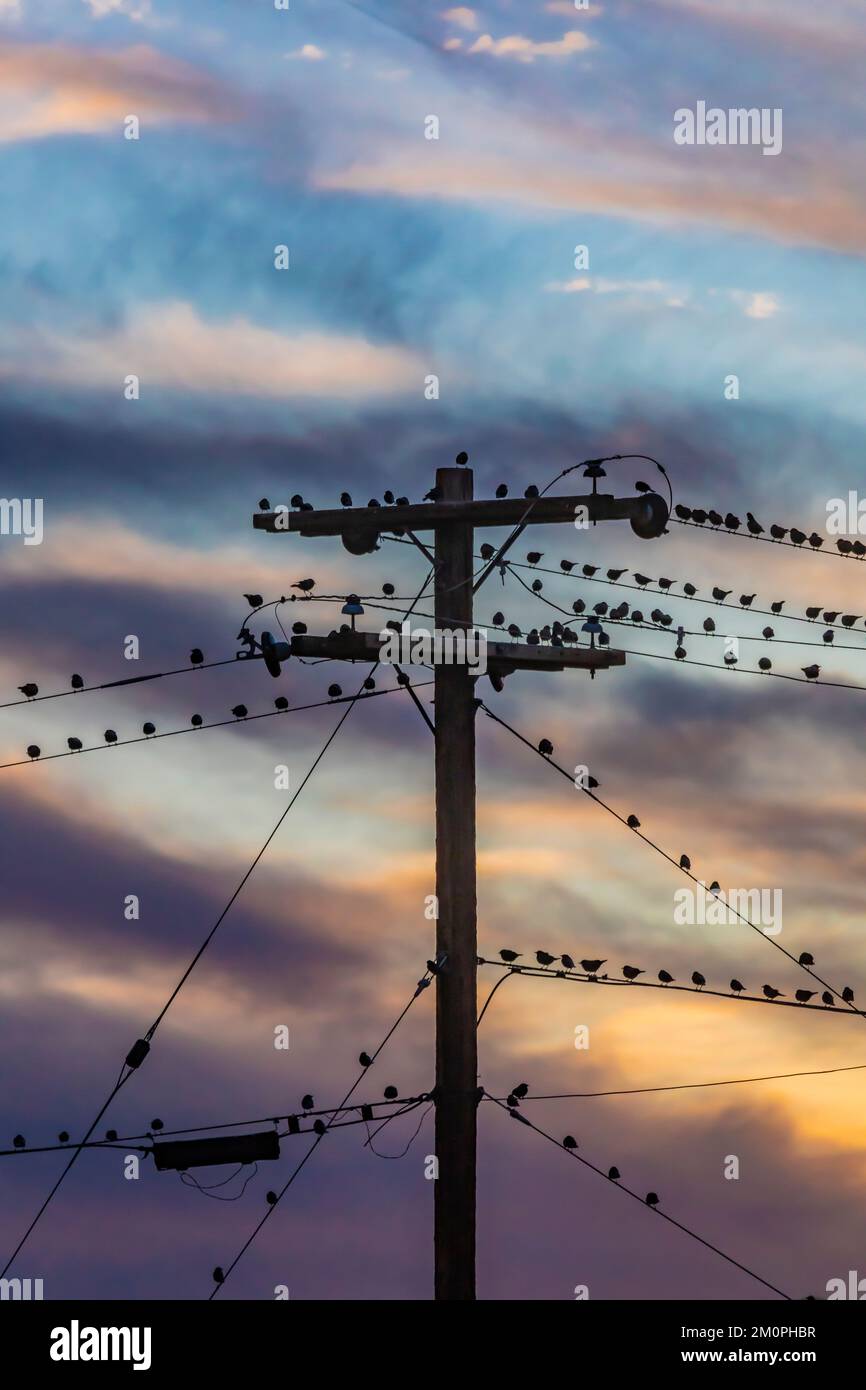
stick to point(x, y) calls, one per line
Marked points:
point(537, 586)
point(513, 631)
point(685, 862)
point(110, 736)
point(698, 979)
point(498, 619)
point(388, 590)
point(521, 1091)
point(737, 987)
point(305, 585)
point(365, 1059)
point(297, 500)
point(633, 822)
point(844, 547)
point(665, 978)
point(765, 664)
point(666, 584)
point(196, 656)
point(592, 966)
point(388, 497)
point(720, 594)
point(218, 1275)
point(578, 606)
point(33, 750)
point(631, 972)
point(254, 600)
point(77, 682)
point(768, 633)
point(271, 1198)
point(502, 490)
point(616, 574)
point(652, 1199)
point(567, 962)
point(369, 683)
point(679, 653)
point(196, 721)
point(487, 551)
point(806, 958)
point(533, 556)
point(642, 580)
point(29, 690)
point(811, 672)
point(74, 744)
point(264, 505)
point(19, 1141)
point(803, 996)
point(307, 1102)
point(345, 499)
point(827, 998)
point(831, 616)
point(510, 956)
point(828, 636)
point(848, 994)
point(239, 711)
point(569, 1142)
point(772, 993)
point(797, 537)
point(531, 491)
point(849, 619)
point(777, 607)
point(544, 958)
point(334, 691)
point(699, 515)
point(812, 613)
point(566, 566)
point(709, 625)
point(689, 590)
point(63, 1136)
point(374, 502)
point(715, 518)
point(390, 1093)
point(746, 600)
point(613, 1174)
point(732, 522)
point(754, 526)
point(778, 532)
point(462, 458)
point(816, 541)
point(281, 702)
point(299, 628)
point(684, 513)
point(545, 747)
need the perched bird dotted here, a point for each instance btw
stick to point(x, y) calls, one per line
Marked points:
point(830, 617)
point(29, 690)
point(487, 551)
point(319, 1127)
point(709, 625)
point(196, 656)
point(33, 750)
point(218, 1275)
point(631, 972)
point(848, 994)
point(591, 966)
point(74, 744)
point(685, 862)
point(388, 497)
point(433, 495)
point(699, 515)
point(297, 500)
point(765, 664)
point(271, 1198)
point(589, 570)
point(77, 682)
point(633, 822)
point(566, 566)
point(510, 956)
point(63, 1136)
point(462, 458)
point(374, 502)
point(772, 993)
point(844, 547)
point(828, 636)
point(388, 590)
point(652, 1199)
point(502, 490)
point(806, 958)
point(849, 619)
point(498, 620)
point(746, 600)
point(537, 586)
point(684, 513)
point(254, 600)
point(345, 499)
point(305, 585)
point(827, 998)
point(307, 1102)
point(19, 1141)
point(816, 541)
point(196, 721)
point(811, 672)
point(797, 537)
point(803, 996)
point(110, 736)
point(812, 613)
point(778, 532)
point(689, 590)
point(730, 659)
point(737, 987)
point(666, 584)
point(777, 607)
point(642, 580)
point(732, 522)
point(513, 631)
point(568, 962)
point(281, 702)
point(531, 491)
point(720, 594)
point(768, 633)
point(533, 556)
point(698, 979)
point(578, 606)
point(569, 1142)
point(264, 505)
point(715, 518)
point(616, 574)
point(390, 1093)
point(521, 1091)
point(613, 1174)
point(754, 526)
point(365, 1060)
point(240, 711)
point(545, 959)
point(545, 747)
point(665, 978)
point(335, 691)
point(299, 629)
point(680, 653)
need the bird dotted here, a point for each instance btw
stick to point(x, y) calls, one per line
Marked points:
point(502, 490)
point(631, 972)
point(74, 744)
point(544, 958)
point(63, 1136)
point(271, 1199)
point(569, 1142)
point(462, 458)
point(19, 1141)
point(513, 631)
point(679, 653)
point(754, 526)
point(589, 570)
point(578, 606)
point(689, 590)
point(591, 966)
point(388, 497)
point(828, 636)
point(77, 682)
point(803, 996)
point(732, 522)
point(533, 556)
point(765, 664)
point(254, 600)
point(531, 491)
point(365, 1060)
point(110, 736)
point(521, 1091)
point(510, 956)
point(335, 691)
point(29, 690)
point(730, 659)
point(299, 629)
point(487, 551)
point(777, 607)
point(433, 495)
point(698, 979)
point(642, 580)
point(264, 505)
point(811, 672)
point(390, 1093)
point(746, 600)
point(498, 620)
point(715, 518)
point(848, 994)
point(827, 998)
point(566, 566)
point(614, 575)
point(812, 613)
point(806, 958)
point(218, 1275)
point(307, 1102)
point(816, 541)
point(305, 585)
point(699, 515)
point(778, 532)
point(196, 656)
point(613, 1174)
point(652, 1199)
point(720, 594)
point(374, 502)
point(665, 978)
point(537, 586)
point(768, 633)
point(797, 537)
point(281, 702)
point(666, 584)
point(239, 711)
point(685, 862)
point(196, 721)
point(297, 500)
point(772, 993)
point(568, 962)
point(844, 547)
point(345, 499)
point(849, 619)
point(388, 590)
point(831, 616)
point(545, 747)
point(737, 987)
point(709, 625)
point(684, 513)
point(33, 750)
point(633, 823)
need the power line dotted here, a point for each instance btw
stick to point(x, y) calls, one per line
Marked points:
point(769, 540)
point(687, 1230)
point(635, 829)
point(690, 1085)
point(128, 680)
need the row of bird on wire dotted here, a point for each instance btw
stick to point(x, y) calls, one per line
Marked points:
point(699, 516)
point(591, 970)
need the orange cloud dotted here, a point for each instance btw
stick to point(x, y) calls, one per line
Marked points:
point(60, 89)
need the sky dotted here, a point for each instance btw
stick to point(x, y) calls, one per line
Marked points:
point(434, 301)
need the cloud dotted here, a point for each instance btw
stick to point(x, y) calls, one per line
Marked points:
point(168, 344)
point(462, 17)
point(527, 50)
point(136, 10)
point(604, 286)
point(60, 89)
point(760, 305)
point(308, 53)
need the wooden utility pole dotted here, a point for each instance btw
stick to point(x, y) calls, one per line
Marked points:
point(456, 991)
point(452, 517)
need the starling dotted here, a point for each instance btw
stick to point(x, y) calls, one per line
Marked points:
point(369, 683)
point(631, 972)
point(196, 721)
point(720, 594)
point(569, 1142)
point(614, 575)
point(297, 500)
point(510, 956)
point(849, 619)
point(827, 998)
point(74, 744)
point(196, 656)
point(806, 958)
point(709, 625)
point(665, 978)
point(589, 570)
point(568, 962)
point(689, 590)
point(715, 518)
point(642, 580)
point(828, 636)
point(777, 607)
point(811, 672)
point(797, 537)
point(778, 532)
point(754, 526)
point(33, 750)
point(699, 515)
point(110, 736)
point(218, 1275)
point(462, 458)
point(271, 1199)
point(19, 1141)
point(737, 987)
point(487, 551)
point(684, 513)
point(498, 620)
point(299, 629)
point(591, 966)
point(566, 566)
point(578, 606)
point(848, 994)
point(390, 1093)
point(803, 996)
point(77, 682)
point(698, 979)
point(240, 711)
point(844, 547)
point(652, 1199)
point(730, 659)
point(365, 1059)
point(816, 541)
point(531, 491)
point(666, 584)
point(305, 585)
point(345, 499)
point(388, 590)
point(264, 505)
point(633, 822)
point(812, 613)
point(765, 664)
point(63, 1136)
point(772, 993)
point(613, 1174)
point(533, 556)
point(433, 495)
point(545, 747)
point(335, 691)
point(521, 1091)
point(281, 702)
point(746, 600)
point(537, 586)
point(388, 497)
point(545, 959)
point(768, 633)
point(685, 862)
point(254, 600)
point(732, 522)
point(502, 490)
point(307, 1102)
point(29, 690)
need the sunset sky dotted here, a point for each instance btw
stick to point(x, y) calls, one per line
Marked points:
point(412, 258)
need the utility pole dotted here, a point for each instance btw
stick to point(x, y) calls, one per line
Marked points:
point(452, 517)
